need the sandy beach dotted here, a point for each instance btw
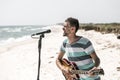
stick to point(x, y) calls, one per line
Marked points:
point(19, 60)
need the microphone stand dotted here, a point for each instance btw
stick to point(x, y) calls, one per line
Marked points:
point(39, 50)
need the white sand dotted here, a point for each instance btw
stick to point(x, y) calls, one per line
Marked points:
point(19, 61)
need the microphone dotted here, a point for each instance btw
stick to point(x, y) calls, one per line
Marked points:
point(42, 32)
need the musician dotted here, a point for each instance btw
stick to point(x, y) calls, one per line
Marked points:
point(78, 50)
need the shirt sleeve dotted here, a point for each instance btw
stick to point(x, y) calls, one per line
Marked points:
point(89, 48)
point(63, 46)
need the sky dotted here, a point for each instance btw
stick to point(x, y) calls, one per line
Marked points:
point(45, 12)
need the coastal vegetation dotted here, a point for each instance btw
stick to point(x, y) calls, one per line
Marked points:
point(102, 27)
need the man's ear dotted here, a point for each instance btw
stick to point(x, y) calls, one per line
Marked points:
point(73, 29)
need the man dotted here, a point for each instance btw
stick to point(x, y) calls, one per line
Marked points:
point(78, 50)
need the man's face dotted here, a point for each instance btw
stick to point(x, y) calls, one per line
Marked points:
point(66, 29)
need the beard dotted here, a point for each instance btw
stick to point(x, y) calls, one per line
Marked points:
point(64, 34)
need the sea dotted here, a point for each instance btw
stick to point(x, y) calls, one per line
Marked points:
point(10, 34)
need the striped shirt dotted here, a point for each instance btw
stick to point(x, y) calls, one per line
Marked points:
point(79, 53)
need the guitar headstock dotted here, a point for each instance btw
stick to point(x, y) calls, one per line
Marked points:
point(98, 72)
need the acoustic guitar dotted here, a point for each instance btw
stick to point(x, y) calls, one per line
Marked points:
point(74, 72)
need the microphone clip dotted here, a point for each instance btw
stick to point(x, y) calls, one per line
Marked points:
point(37, 36)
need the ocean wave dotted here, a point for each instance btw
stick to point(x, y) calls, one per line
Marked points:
point(9, 34)
point(19, 29)
point(12, 40)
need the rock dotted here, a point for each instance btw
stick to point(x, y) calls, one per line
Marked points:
point(118, 37)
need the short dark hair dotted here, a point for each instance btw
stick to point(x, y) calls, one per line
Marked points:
point(73, 22)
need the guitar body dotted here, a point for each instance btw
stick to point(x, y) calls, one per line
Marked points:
point(70, 66)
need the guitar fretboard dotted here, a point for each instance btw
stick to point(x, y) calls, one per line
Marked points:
point(78, 72)
point(95, 72)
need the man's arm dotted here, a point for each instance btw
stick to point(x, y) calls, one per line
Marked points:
point(96, 59)
point(58, 60)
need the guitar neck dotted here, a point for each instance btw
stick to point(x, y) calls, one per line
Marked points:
point(98, 72)
point(78, 72)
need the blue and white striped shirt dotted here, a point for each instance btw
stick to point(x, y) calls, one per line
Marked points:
point(79, 53)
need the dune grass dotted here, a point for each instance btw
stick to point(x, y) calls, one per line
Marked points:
point(102, 27)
